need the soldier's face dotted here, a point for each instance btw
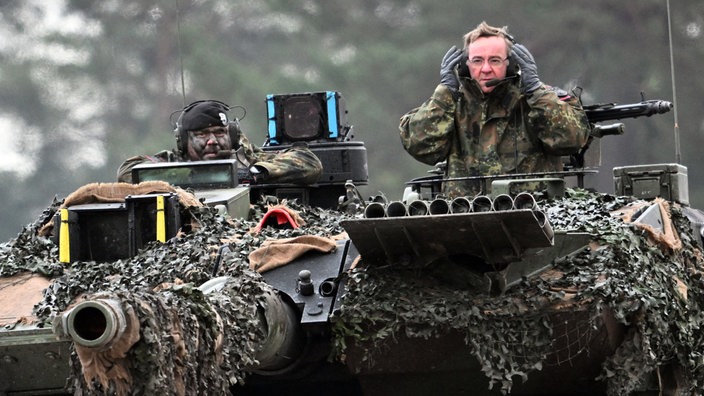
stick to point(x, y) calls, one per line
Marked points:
point(209, 144)
point(487, 59)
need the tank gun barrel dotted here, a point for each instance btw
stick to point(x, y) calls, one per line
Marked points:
point(105, 323)
point(94, 323)
point(283, 343)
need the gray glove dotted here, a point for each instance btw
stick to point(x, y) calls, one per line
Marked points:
point(529, 70)
point(447, 67)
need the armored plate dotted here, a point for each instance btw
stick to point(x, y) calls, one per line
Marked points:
point(497, 236)
point(32, 360)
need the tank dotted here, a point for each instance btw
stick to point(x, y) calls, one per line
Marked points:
point(193, 283)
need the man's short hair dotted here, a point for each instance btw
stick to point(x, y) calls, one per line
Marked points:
point(486, 30)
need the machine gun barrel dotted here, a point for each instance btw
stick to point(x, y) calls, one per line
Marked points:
point(611, 111)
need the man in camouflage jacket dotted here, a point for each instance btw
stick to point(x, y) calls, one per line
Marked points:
point(491, 119)
point(203, 132)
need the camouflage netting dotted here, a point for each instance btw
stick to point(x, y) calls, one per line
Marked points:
point(182, 348)
point(656, 290)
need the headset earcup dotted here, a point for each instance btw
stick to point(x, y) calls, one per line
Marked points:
point(181, 139)
point(233, 128)
point(177, 136)
point(462, 68)
point(512, 69)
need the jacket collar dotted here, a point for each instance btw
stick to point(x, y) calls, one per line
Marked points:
point(506, 94)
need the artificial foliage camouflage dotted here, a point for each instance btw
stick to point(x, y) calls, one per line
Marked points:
point(189, 343)
point(638, 281)
point(654, 291)
point(30, 252)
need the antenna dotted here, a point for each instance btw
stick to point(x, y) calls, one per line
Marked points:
point(180, 54)
point(678, 153)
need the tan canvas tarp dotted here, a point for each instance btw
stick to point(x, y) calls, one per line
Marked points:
point(18, 295)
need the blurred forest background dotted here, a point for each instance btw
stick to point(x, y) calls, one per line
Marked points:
point(85, 84)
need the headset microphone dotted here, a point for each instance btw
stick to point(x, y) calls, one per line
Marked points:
point(497, 81)
point(493, 82)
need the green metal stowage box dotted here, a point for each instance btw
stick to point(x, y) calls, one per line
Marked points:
point(668, 181)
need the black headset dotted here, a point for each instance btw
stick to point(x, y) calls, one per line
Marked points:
point(512, 69)
point(233, 126)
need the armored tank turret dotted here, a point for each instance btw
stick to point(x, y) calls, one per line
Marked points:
point(550, 291)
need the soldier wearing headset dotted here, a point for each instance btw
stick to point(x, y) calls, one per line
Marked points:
point(204, 132)
point(491, 115)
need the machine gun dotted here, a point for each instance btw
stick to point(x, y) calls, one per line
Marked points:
point(611, 111)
